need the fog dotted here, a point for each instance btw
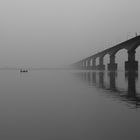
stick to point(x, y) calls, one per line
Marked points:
point(41, 33)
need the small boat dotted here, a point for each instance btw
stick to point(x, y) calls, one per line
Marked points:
point(23, 70)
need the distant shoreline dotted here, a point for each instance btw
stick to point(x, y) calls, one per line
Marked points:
point(35, 68)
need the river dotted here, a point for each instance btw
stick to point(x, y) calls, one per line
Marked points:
point(69, 105)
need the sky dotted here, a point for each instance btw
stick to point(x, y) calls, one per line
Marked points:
point(41, 33)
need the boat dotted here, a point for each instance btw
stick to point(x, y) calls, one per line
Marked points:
point(23, 70)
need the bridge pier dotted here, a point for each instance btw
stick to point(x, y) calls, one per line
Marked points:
point(80, 65)
point(83, 65)
point(131, 64)
point(101, 65)
point(112, 66)
point(93, 64)
point(88, 65)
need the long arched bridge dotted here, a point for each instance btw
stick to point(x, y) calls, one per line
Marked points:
point(130, 45)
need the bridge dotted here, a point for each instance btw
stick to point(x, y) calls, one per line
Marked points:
point(130, 45)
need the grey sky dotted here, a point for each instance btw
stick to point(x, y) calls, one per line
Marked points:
point(57, 32)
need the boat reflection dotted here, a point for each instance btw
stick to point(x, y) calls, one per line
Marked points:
point(97, 79)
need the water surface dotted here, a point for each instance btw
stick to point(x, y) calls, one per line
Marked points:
point(69, 105)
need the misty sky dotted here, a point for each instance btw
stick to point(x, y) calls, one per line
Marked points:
point(56, 32)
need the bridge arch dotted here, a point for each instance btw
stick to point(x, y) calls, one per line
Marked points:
point(106, 60)
point(120, 57)
point(138, 54)
point(91, 62)
point(97, 60)
point(86, 61)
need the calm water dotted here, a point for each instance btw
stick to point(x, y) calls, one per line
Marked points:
point(69, 105)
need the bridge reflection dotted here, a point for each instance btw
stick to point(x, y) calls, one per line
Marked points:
point(97, 79)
